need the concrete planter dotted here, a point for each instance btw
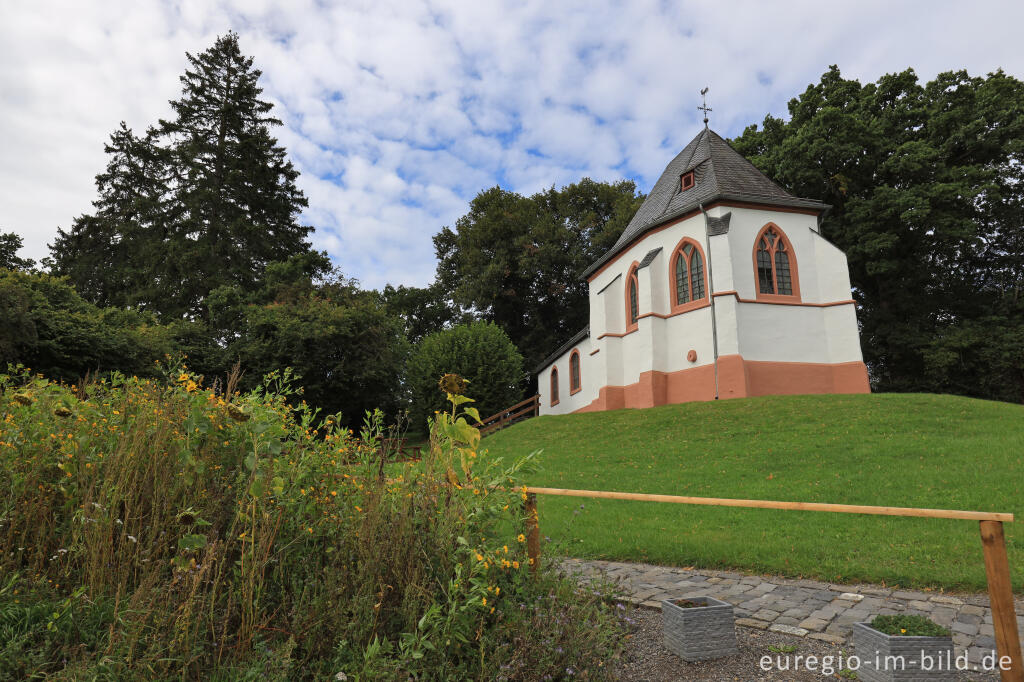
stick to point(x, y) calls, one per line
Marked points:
point(699, 633)
point(891, 658)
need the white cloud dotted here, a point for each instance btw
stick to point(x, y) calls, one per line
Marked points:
point(398, 112)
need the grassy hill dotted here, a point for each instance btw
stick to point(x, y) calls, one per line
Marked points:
point(889, 449)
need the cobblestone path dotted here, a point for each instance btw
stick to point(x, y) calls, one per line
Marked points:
point(805, 608)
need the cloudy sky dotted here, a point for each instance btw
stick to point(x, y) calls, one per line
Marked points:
point(398, 113)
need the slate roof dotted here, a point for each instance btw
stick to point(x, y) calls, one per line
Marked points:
point(719, 172)
point(580, 335)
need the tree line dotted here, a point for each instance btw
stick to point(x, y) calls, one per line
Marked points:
point(194, 247)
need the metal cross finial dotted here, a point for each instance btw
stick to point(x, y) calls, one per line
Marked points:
point(704, 107)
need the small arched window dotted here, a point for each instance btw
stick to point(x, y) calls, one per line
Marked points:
point(775, 263)
point(688, 274)
point(574, 372)
point(632, 300)
point(554, 385)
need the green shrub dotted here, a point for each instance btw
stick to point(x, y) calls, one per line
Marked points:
point(480, 352)
point(156, 529)
point(908, 626)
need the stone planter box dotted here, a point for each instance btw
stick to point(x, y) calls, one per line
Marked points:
point(891, 658)
point(699, 633)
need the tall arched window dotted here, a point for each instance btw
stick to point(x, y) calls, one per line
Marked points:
point(574, 372)
point(775, 264)
point(632, 299)
point(688, 282)
point(554, 385)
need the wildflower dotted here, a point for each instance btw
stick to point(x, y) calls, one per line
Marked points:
point(903, 631)
point(515, 564)
point(334, 493)
point(521, 538)
point(479, 556)
point(452, 383)
point(309, 530)
point(484, 599)
point(237, 413)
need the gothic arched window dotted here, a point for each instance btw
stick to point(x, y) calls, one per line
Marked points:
point(688, 282)
point(554, 385)
point(574, 372)
point(632, 299)
point(775, 263)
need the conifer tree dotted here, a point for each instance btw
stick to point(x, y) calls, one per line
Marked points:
point(206, 199)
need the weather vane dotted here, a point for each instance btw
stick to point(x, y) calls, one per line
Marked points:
point(704, 107)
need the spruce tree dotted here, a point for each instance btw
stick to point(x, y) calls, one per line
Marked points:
point(206, 199)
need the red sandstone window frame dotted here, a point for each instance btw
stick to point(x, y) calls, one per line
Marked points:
point(554, 386)
point(575, 373)
point(793, 270)
point(693, 303)
point(632, 323)
point(686, 181)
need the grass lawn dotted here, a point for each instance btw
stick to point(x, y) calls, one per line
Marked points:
point(888, 449)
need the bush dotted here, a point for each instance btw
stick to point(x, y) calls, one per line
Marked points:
point(46, 325)
point(480, 352)
point(156, 529)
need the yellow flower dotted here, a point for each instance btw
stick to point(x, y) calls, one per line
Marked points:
point(334, 493)
point(515, 564)
point(484, 599)
point(521, 538)
point(479, 556)
point(903, 631)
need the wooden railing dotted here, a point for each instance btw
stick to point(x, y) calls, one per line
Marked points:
point(993, 543)
point(510, 415)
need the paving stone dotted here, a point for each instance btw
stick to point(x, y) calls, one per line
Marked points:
point(796, 613)
point(906, 594)
point(964, 628)
point(985, 642)
point(813, 624)
point(766, 614)
point(752, 623)
point(799, 607)
point(873, 590)
point(788, 629)
point(970, 618)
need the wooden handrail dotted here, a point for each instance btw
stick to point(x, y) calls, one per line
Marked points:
point(997, 566)
point(498, 415)
point(771, 504)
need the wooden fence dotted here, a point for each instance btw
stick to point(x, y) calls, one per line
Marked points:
point(997, 566)
point(510, 415)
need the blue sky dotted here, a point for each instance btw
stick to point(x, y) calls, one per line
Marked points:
point(398, 113)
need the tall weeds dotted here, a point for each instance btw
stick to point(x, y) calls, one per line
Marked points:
point(157, 529)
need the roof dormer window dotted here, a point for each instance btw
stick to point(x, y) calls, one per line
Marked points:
point(686, 181)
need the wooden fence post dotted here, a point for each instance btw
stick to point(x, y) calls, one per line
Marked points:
point(1000, 597)
point(532, 533)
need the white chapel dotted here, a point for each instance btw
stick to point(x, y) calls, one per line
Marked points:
point(722, 286)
